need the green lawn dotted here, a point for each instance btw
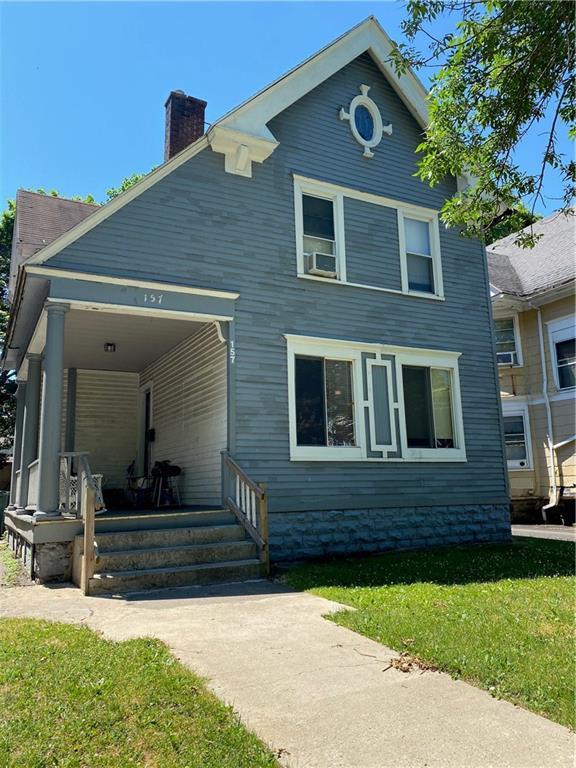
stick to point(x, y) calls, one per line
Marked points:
point(11, 571)
point(70, 699)
point(501, 617)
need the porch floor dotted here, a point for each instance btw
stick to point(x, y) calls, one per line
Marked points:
point(185, 509)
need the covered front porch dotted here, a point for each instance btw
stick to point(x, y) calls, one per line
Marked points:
point(128, 391)
point(107, 390)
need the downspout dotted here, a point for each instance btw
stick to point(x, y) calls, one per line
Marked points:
point(554, 496)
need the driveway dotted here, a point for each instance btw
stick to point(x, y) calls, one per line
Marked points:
point(559, 532)
point(319, 694)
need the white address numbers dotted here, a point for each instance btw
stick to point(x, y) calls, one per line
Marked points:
point(153, 298)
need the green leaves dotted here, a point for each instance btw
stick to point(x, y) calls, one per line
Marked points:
point(505, 68)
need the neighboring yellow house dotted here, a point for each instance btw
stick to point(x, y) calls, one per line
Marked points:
point(534, 315)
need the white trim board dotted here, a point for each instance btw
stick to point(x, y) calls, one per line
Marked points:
point(132, 282)
point(121, 309)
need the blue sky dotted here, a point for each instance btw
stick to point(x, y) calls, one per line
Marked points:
point(83, 85)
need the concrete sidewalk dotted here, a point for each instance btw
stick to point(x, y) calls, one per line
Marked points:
point(558, 532)
point(319, 694)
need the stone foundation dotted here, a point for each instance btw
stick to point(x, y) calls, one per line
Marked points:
point(296, 535)
point(52, 560)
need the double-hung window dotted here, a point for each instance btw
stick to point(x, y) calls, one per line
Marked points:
point(420, 254)
point(319, 231)
point(507, 344)
point(566, 363)
point(516, 442)
point(563, 351)
point(372, 402)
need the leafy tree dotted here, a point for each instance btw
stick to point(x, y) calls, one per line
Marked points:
point(125, 184)
point(505, 69)
point(510, 222)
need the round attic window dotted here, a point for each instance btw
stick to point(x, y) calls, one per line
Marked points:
point(365, 121)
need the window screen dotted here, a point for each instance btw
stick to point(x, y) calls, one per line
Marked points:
point(419, 255)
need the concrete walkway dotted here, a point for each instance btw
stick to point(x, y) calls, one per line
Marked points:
point(558, 532)
point(319, 694)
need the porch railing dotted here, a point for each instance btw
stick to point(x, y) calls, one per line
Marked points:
point(249, 502)
point(89, 491)
point(33, 482)
point(71, 468)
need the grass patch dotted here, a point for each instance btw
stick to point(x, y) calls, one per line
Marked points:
point(11, 571)
point(69, 698)
point(500, 617)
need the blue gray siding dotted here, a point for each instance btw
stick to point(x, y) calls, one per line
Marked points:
point(208, 228)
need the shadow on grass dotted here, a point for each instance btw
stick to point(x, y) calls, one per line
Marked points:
point(522, 559)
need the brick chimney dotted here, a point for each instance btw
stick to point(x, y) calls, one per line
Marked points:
point(184, 122)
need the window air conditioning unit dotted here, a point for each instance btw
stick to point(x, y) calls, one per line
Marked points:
point(507, 358)
point(321, 264)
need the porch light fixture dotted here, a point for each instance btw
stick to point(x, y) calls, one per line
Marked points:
point(109, 346)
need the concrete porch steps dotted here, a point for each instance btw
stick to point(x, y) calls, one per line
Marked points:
point(170, 549)
point(192, 554)
point(179, 576)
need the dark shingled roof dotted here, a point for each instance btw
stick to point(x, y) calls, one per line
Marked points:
point(525, 271)
point(40, 219)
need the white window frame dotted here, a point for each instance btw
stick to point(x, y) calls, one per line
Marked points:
point(317, 189)
point(520, 409)
point(444, 361)
point(434, 232)
point(559, 330)
point(517, 342)
point(338, 349)
point(326, 351)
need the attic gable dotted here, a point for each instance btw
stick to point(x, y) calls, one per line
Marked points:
point(244, 135)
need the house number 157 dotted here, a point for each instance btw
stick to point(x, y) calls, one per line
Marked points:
point(153, 298)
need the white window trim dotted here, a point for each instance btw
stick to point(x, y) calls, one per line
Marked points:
point(303, 184)
point(431, 219)
point(374, 444)
point(446, 361)
point(317, 189)
point(561, 329)
point(323, 452)
point(520, 409)
point(517, 341)
point(351, 350)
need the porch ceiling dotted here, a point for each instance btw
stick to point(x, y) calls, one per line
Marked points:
point(139, 340)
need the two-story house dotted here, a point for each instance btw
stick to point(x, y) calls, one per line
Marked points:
point(277, 310)
point(533, 305)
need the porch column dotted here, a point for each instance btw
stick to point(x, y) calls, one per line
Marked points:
point(17, 446)
point(51, 416)
point(29, 444)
